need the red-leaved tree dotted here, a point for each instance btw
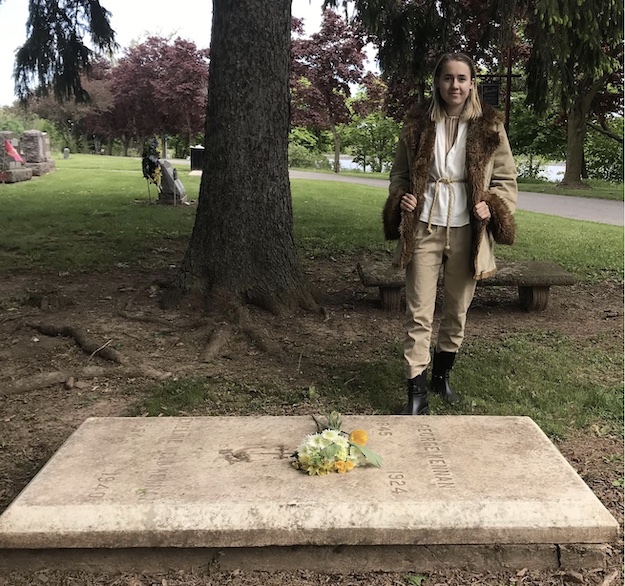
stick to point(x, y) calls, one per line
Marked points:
point(160, 88)
point(323, 68)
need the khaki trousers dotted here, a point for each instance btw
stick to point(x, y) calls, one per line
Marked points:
point(422, 275)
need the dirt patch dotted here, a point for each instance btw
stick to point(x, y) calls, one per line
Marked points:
point(119, 310)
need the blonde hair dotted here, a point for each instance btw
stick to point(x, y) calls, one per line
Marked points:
point(472, 107)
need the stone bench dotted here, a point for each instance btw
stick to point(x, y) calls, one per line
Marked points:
point(533, 279)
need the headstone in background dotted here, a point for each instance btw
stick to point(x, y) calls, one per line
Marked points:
point(34, 149)
point(12, 169)
point(46, 147)
point(66, 153)
point(172, 189)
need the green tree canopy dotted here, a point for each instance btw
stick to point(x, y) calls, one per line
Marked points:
point(55, 53)
point(577, 48)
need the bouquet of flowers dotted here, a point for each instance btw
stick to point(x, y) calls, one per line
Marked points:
point(334, 450)
point(150, 164)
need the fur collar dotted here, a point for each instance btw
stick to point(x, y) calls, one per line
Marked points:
point(483, 140)
point(482, 131)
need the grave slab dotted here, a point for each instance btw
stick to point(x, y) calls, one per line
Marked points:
point(452, 490)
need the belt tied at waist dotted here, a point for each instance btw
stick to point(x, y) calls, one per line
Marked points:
point(437, 184)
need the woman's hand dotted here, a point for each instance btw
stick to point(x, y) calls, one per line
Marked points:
point(482, 211)
point(408, 203)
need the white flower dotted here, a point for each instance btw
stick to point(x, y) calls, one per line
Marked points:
point(317, 441)
point(331, 435)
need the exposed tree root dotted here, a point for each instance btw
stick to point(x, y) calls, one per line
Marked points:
point(139, 371)
point(232, 308)
point(48, 379)
point(17, 317)
point(216, 342)
point(131, 300)
point(86, 344)
point(150, 319)
point(255, 333)
point(34, 383)
point(262, 341)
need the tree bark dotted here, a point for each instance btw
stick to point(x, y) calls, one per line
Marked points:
point(242, 245)
point(337, 148)
point(606, 132)
point(576, 134)
point(126, 145)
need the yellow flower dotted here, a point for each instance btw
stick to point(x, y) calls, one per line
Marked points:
point(359, 437)
point(341, 467)
point(328, 466)
point(349, 465)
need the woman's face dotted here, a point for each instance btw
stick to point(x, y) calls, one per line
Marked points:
point(454, 85)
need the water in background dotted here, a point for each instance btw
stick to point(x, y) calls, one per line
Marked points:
point(553, 172)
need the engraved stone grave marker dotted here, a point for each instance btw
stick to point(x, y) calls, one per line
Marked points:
point(172, 189)
point(12, 169)
point(36, 152)
point(482, 492)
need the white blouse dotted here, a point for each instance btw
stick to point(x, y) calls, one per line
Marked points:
point(446, 193)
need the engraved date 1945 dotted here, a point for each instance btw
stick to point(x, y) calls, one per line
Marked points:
point(104, 483)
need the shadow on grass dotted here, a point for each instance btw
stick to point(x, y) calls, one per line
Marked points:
point(558, 382)
point(561, 384)
point(199, 396)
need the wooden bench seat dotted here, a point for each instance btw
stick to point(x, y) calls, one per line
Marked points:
point(532, 278)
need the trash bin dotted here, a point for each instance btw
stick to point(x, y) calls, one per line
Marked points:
point(197, 158)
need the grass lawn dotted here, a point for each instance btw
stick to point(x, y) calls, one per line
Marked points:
point(93, 215)
point(87, 238)
point(597, 189)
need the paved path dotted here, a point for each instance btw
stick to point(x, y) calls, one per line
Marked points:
point(603, 211)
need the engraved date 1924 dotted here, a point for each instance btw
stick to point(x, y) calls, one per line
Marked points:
point(397, 482)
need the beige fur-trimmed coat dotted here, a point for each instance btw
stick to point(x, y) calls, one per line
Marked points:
point(490, 177)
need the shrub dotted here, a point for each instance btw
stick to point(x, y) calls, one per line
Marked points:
point(604, 155)
point(300, 156)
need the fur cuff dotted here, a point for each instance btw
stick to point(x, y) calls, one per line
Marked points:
point(391, 215)
point(501, 223)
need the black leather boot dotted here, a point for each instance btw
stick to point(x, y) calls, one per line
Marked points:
point(441, 367)
point(417, 396)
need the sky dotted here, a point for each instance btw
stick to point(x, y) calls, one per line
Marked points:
point(131, 20)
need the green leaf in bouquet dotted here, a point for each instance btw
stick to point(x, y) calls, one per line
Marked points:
point(334, 421)
point(368, 455)
point(330, 452)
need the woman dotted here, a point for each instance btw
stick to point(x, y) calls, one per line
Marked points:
point(452, 193)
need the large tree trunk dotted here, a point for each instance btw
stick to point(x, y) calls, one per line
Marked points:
point(576, 134)
point(242, 244)
point(337, 148)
